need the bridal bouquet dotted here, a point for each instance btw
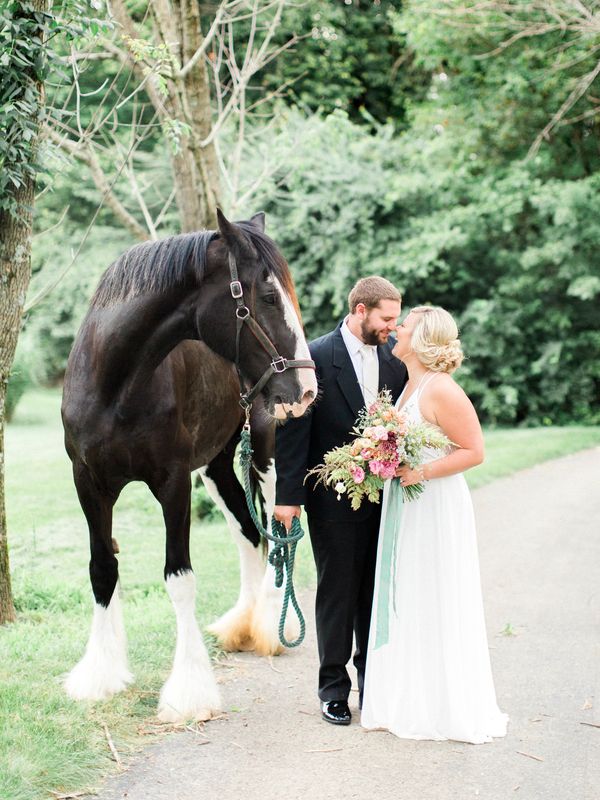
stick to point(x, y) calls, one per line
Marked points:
point(385, 439)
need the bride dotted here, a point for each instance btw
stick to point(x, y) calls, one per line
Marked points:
point(428, 673)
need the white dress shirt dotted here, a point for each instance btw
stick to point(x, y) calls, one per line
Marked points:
point(353, 346)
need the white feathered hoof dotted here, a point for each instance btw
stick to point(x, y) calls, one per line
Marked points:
point(94, 678)
point(265, 624)
point(233, 630)
point(103, 671)
point(190, 693)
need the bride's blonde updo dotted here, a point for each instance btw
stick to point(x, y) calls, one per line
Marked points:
point(435, 339)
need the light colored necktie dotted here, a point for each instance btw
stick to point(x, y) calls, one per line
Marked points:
point(370, 372)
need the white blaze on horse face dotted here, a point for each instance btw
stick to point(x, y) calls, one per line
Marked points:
point(306, 376)
point(191, 690)
point(103, 671)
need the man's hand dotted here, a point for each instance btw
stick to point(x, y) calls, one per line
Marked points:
point(286, 514)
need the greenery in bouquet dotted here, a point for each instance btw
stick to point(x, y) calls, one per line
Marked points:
point(384, 439)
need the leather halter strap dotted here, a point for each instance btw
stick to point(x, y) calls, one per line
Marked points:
point(244, 317)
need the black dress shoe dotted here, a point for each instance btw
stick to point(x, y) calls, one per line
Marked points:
point(336, 712)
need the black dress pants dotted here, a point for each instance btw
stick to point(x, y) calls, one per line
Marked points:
point(345, 555)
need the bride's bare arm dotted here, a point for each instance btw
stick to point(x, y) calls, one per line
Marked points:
point(445, 404)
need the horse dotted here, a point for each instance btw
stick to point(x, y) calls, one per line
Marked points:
point(153, 390)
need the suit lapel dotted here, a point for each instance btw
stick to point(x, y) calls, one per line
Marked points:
point(385, 371)
point(389, 374)
point(346, 377)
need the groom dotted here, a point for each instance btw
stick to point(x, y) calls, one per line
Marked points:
point(354, 362)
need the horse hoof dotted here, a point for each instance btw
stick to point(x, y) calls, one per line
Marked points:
point(233, 631)
point(171, 715)
point(86, 683)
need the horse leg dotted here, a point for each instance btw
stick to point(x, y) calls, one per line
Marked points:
point(190, 691)
point(269, 601)
point(234, 629)
point(103, 669)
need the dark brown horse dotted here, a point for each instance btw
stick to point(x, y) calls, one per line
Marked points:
point(151, 393)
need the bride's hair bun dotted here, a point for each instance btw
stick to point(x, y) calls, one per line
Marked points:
point(435, 339)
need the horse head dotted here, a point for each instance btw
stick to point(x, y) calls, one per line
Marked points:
point(251, 317)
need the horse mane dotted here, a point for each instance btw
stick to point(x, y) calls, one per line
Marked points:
point(156, 266)
point(153, 267)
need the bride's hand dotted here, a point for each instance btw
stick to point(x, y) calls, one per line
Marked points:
point(409, 476)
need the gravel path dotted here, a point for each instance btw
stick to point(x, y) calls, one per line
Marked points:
point(539, 538)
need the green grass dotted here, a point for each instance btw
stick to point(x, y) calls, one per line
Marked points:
point(46, 740)
point(510, 450)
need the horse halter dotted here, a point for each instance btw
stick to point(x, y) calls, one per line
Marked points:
point(278, 363)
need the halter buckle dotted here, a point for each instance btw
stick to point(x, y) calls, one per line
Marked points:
point(279, 364)
point(242, 312)
point(236, 290)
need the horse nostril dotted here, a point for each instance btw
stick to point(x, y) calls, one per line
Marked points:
point(277, 400)
point(308, 396)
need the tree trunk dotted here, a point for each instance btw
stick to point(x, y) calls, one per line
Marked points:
point(195, 169)
point(196, 89)
point(15, 272)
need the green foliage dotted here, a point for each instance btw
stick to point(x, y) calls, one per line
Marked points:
point(23, 61)
point(203, 507)
point(51, 326)
point(449, 210)
point(19, 381)
point(27, 60)
point(349, 59)
point(512, 255)
point(503, 95)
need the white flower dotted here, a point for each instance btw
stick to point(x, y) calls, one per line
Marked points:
point(340, 487)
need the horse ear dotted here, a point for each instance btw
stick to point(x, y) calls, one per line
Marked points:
point(258, 220)
point(234, 237)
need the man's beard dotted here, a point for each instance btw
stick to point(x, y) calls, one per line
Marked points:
point(371, 336)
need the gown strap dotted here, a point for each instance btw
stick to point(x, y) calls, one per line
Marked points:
point(425, 380)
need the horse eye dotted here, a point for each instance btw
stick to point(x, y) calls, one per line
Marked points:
point(270, 299)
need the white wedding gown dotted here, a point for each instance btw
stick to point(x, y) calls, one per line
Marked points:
point(428, 673)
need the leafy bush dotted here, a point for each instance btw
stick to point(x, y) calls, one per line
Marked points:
point(18, 383)
point(513, 255)
point(202, 505)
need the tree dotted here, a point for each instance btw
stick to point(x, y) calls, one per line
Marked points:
point(350, 60)
point(524, 74)
point(25, 27)
point(173, 81)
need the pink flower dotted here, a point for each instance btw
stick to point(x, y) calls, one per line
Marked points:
point(358, 474)
point(387, 471)
point(367, 453)
point(379, 433)
point(390, 445)
point(375, 467)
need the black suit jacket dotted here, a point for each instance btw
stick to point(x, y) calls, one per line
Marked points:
point(301, 443)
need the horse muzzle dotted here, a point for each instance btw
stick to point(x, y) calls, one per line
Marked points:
point(284, 411)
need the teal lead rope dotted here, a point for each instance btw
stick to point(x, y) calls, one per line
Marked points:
point(282, 555)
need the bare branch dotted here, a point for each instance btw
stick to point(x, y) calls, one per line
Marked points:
point(580, 89)
point(84, 152)
point(56, 225)
point(52, 284)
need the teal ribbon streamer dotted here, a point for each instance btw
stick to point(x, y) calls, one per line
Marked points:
point(392, 517)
